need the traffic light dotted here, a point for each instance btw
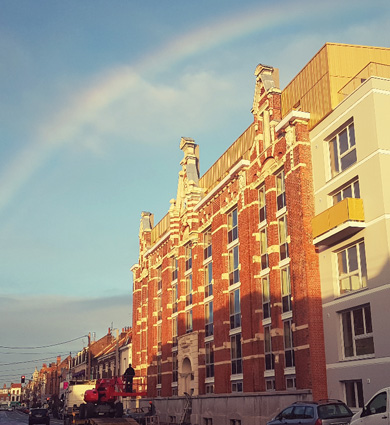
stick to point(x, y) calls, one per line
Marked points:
point(22, 379)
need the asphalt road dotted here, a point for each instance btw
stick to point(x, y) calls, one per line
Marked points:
point(16, 417)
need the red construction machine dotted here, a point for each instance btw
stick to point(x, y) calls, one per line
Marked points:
point(103, 400)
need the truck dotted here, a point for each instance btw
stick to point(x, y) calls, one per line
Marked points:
point(104, 398)
point(73, 397)
point(102, 404)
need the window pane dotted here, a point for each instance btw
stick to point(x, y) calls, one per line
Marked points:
point(334, 157)
point(285, 275)
point(364, 346)
point(354, 283)
point(266, 293)
point(343, 141)
point(267, 339)
point(287, 335)
point(342, 260)
point(352, 258)
point(356, 189)
point(363, 266)
point(347, 334)
point(348, 159)
point(351, 135)
point(347, 192)
point(350, 393)
point(236, 260)
point(367, 316)
point(234, 218)
point(358, 322)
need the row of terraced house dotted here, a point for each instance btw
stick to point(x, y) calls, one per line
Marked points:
point(268, 279)
point(106, 357)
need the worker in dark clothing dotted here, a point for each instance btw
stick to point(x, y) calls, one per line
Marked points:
point(128, 377)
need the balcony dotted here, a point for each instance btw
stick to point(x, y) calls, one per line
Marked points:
point(338, 222)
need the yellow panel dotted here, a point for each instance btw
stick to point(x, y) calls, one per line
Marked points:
point(316, 87)
point(320, 224)
point(349, 209)
point(355, 209)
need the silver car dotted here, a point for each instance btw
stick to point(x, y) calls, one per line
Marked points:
point(323, 412)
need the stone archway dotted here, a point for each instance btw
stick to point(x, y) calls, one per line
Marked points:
point(187, 357)
point(186, 375)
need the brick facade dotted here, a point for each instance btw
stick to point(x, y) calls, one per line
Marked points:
point(252, 350)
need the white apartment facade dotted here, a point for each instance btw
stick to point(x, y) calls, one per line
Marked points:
point(351, 167)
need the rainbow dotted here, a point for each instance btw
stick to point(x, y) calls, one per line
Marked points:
point(86, 107)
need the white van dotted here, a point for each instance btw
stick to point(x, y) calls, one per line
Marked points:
point(73, 397)
point(376, 411)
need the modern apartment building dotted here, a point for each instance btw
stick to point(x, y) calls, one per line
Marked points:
point(265, 282)
point(351, 164)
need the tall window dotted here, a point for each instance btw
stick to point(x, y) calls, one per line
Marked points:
point(209, 318)
point(174, 331)
point(286, 288)
point(189, 256)
point(262, 204)
point(342, 149)
point(174, 268)
point(207, 250)
point(159, 343)
point(263, 248)
point(236, 355)
point(232, 226)
point(189, 290)
point(269, 358)
point(354, 393)
point(351, 190)
point(280, 191)
point(234, 262)
point(159, 279)
point(159, 370)
point(209, 360)
point(235, 309)
point(352, 268)
point(189, 321)
point(283, 234)
point(175, 367)
point(208, 280)
point(357, 332)
point(159, 306)
point(288, 344)
point(266, 297)
point(175, 296)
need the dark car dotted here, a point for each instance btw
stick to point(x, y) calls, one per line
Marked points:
point(39, 416)
point(323, 412)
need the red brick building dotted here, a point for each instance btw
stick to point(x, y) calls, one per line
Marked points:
point(226, 296)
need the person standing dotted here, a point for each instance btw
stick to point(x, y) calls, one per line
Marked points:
point(128, 377)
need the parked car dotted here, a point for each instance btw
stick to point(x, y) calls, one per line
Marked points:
point(376, 411)
point(323, 412)
point(39, 416)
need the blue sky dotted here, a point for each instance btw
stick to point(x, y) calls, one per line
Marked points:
point(94, 98)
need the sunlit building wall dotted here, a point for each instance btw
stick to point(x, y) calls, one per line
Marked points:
point(226, 295)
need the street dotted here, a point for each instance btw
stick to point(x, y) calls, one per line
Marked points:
point(16, 417)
